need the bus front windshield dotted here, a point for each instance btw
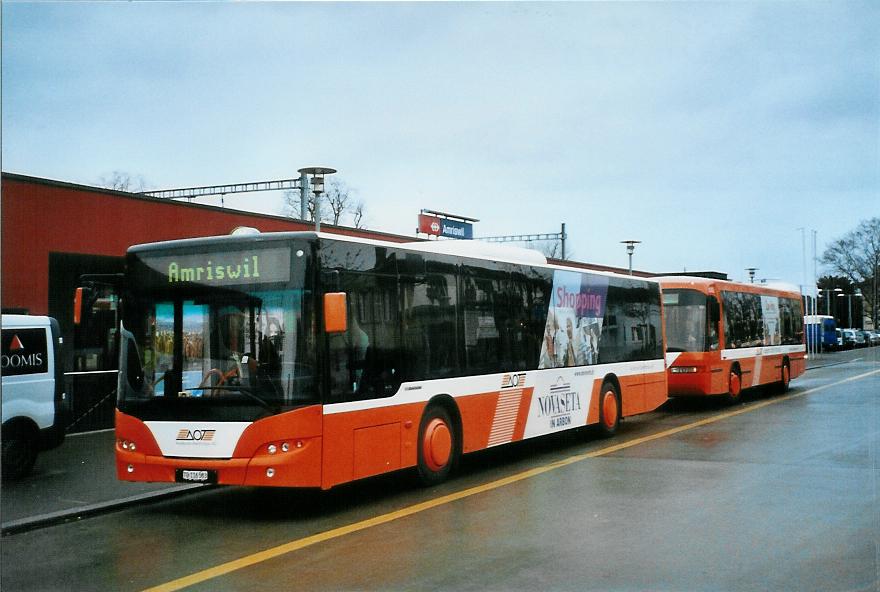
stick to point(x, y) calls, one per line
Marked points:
point(686, 315)
point(232, 352)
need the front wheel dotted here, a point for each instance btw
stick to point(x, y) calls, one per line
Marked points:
point(19, 453)
point(734, 388)
point(438, 447)
point(609, 410)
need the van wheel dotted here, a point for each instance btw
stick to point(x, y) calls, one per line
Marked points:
point(609, 410)
point(438, 448)
point(19, 452)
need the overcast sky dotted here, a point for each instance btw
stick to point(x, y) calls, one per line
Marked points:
point(710, 131)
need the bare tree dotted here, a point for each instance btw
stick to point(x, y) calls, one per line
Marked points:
point(338, 205)
point(339, 198)
point(293, 207)
point(358, 215)
point(550, 249)
point(123, 181)
point(856, 256)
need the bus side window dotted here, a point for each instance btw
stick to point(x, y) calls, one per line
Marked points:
point(364, 360)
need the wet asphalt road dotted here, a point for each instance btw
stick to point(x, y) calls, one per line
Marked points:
point(777, 494)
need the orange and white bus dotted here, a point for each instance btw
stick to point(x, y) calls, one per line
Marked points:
point(723, 337)
point(310, 360)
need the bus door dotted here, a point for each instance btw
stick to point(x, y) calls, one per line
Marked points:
point(361, 436)
point(92, 379)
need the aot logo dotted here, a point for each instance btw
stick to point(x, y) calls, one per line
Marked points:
point(513, 380)
point(187, 435)
point(24, 352)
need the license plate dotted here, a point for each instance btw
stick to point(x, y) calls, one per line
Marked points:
point(196, 476)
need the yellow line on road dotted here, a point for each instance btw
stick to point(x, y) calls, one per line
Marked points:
point(335, 533)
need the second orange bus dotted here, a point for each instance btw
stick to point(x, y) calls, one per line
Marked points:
point(723, 337)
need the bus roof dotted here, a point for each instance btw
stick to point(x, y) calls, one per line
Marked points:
point(471, 249)
point(704, 284)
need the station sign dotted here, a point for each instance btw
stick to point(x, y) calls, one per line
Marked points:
point(437, 226)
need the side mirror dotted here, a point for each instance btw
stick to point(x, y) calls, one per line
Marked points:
point(82, 297)
point(335, 312)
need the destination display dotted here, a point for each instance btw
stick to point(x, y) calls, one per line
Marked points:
point(220, 268)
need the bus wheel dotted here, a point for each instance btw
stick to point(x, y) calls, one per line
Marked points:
point(19, 452)
point(437, 446)
point(734, 389)
point(609, 410)
point(786, 377)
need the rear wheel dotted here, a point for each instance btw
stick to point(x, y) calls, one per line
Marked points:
point(786, 377)
point(438, 447)
point(19, 452)
point(609, 410)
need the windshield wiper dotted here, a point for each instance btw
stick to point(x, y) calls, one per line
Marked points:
point(245, 390)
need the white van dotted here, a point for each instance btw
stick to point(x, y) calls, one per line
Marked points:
point(35, 406)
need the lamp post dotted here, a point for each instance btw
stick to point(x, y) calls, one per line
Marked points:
point(317, 186)
point(752, 271)
point(630, 247)
point(848, 309)
point(825, 293)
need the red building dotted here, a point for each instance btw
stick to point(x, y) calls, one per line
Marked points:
point(54, 232)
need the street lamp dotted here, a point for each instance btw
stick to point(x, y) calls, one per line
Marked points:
point(848, 309)
point(317, 186)
point(630, 247)
point(826, 294)
point(752, 271)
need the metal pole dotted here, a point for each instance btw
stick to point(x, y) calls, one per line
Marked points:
point(849, 319)
point(804, 285)
point(303, 197)
point(563, 241)
point(317, 212)
point(815, 292)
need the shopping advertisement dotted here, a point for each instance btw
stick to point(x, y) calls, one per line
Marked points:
point(574, 321)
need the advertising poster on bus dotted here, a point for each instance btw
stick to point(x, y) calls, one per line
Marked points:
point(772, 330)
point(574, 322)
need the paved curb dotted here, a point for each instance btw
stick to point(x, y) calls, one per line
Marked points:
point(829, 364)
point(61, 516)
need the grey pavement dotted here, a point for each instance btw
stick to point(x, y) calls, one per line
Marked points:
point(79, 478)
point(76, 479)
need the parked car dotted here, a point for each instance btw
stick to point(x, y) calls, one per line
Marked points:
point(839, 339)
point(859, 338)
point(866, 337)
point(35, 406)
point(875, 337)
point(849, 338)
